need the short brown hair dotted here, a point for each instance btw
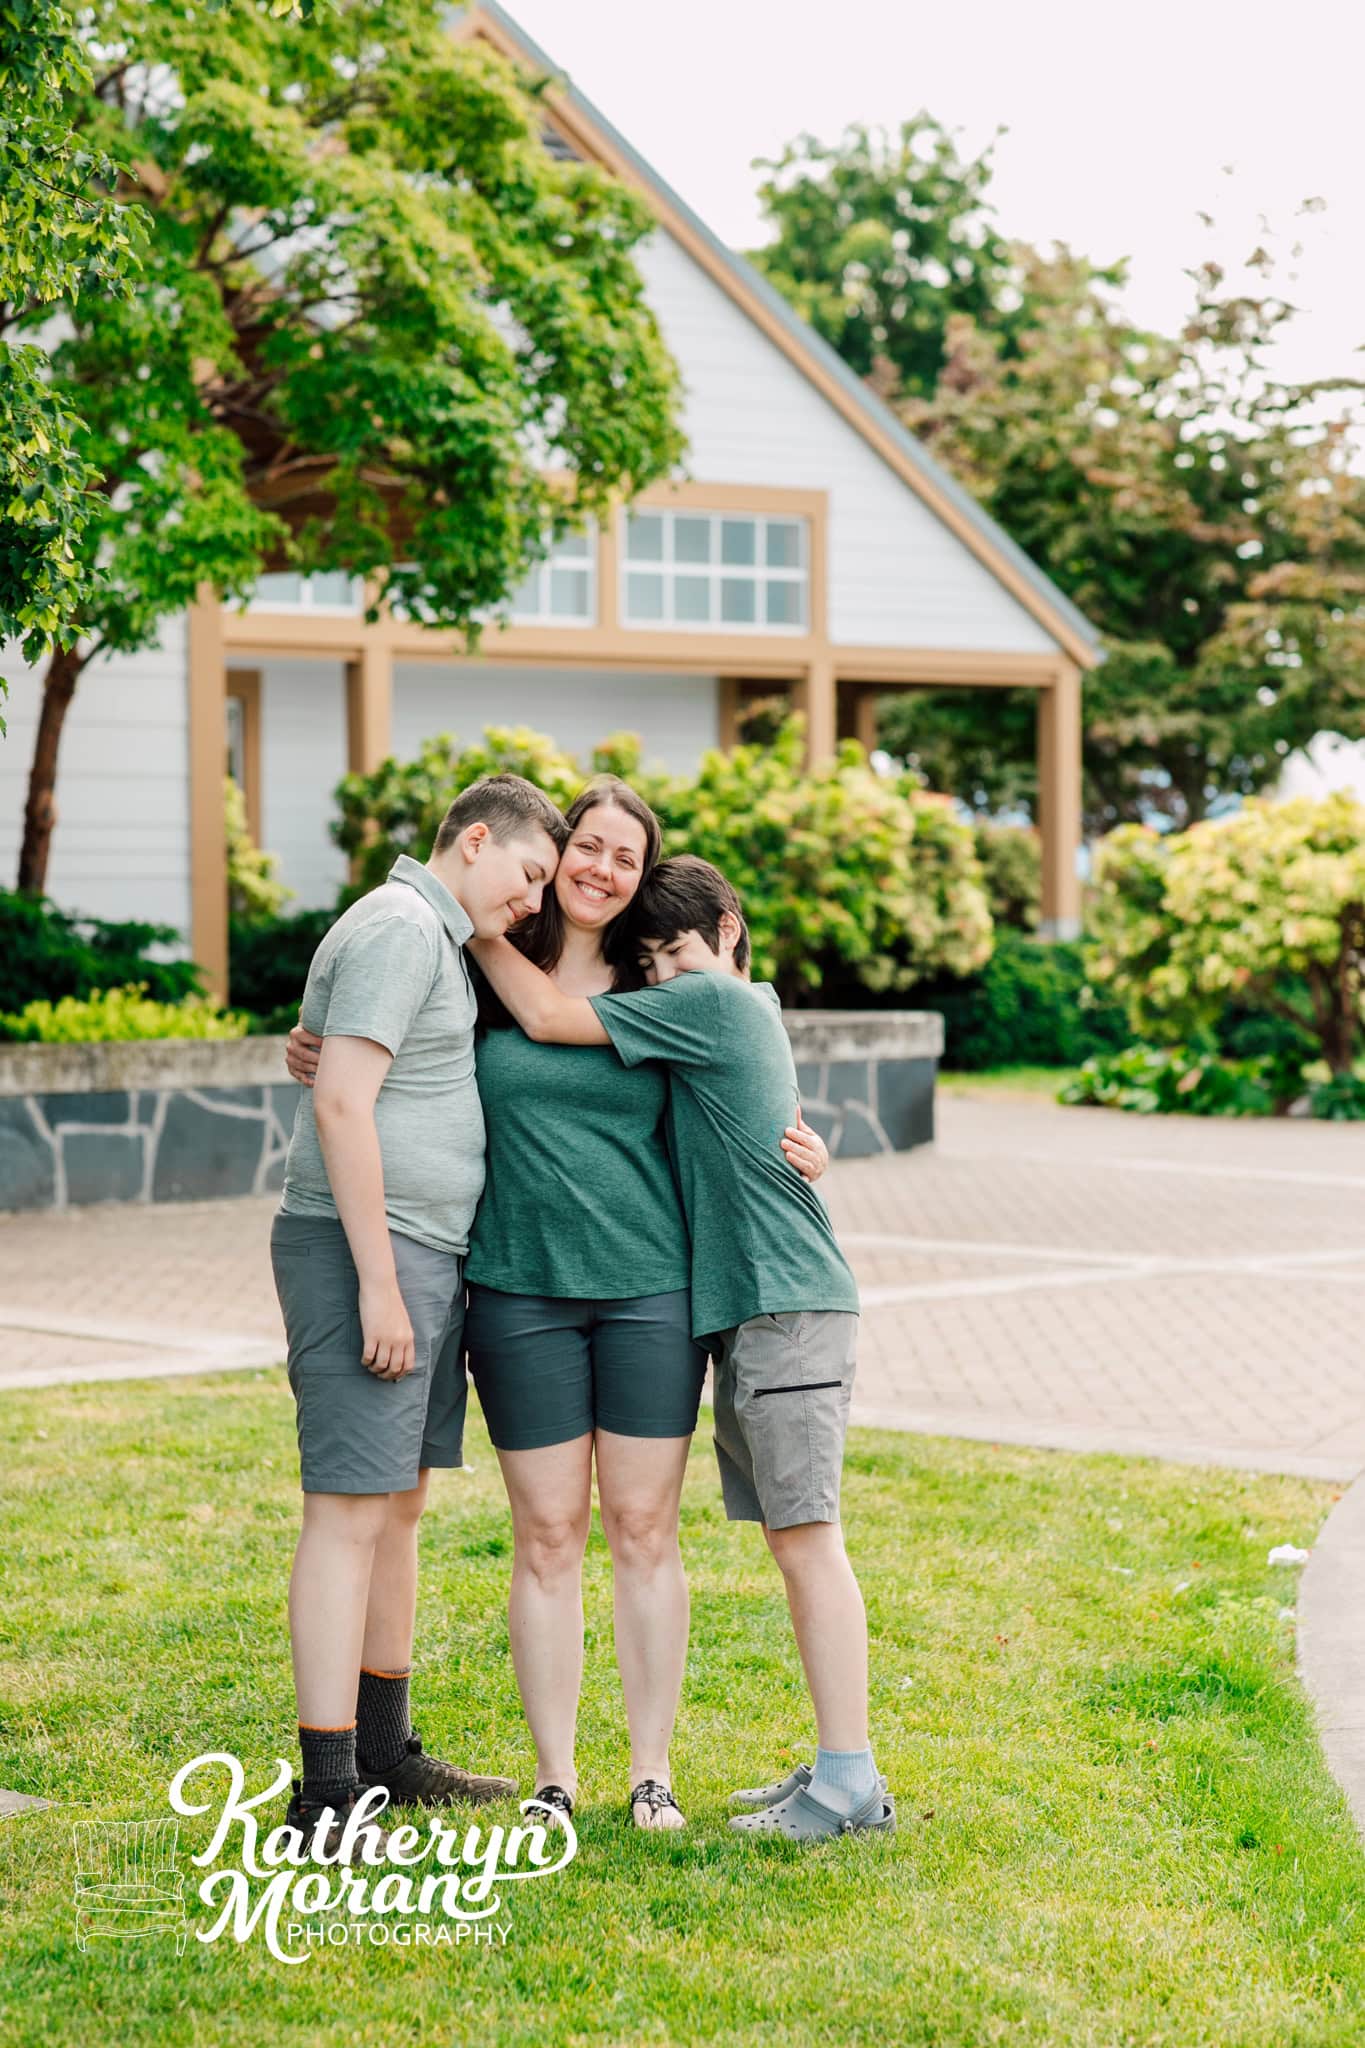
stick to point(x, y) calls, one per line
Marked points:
point(686, 894)
point(508, 805)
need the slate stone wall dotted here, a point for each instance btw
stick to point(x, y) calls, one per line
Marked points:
point(172, 1122)
point(143, 1145)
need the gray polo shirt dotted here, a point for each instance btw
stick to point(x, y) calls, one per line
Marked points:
point(392, 968)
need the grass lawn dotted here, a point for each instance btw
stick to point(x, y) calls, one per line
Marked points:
point(1044, 1081)
point(1116, 1827)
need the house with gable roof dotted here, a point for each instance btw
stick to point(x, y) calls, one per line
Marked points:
point(812, 548)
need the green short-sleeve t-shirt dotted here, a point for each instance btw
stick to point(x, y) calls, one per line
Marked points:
point(579, 1197)
point(762, 1241)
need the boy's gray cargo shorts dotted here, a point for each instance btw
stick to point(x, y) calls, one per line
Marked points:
point(782, 1390)
point(359, 1434)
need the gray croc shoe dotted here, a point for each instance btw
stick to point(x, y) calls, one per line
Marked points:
point(773, 1795)
point(804, 1818)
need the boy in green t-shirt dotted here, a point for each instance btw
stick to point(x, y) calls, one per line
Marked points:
point(772, 1297)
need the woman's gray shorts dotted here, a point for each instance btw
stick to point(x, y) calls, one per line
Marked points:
point(782, 1389)
point(359, 1434)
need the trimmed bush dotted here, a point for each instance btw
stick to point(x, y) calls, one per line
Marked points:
point(1158, 1080)
point(1011, 857)
point(1031, 1005)
point(47, 953)
point(268, 962)
point(116, 1014)
point(847, 877)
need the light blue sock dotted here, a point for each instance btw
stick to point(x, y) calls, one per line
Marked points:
point(844, 1778)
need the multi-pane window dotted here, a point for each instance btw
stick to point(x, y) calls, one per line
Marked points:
point(330, 590)
point(740, 572)
point(561, 590)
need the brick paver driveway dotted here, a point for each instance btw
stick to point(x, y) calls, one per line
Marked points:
point(1066, 1277)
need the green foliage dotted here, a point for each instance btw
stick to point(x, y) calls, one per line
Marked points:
point(843, 873)
point(50, 953)
point(1208, 517)
point(268, 962)
point(118, 1013)
point(1264, 909)
point(367, 289)
point(1031, 1005)
point(1012, 860)
point(398, 808)
point(1340, 1100)
point(253, 888)
point(1161, 1080)
point(61, 234)
point(878, 237)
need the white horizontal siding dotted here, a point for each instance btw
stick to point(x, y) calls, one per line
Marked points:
point(120, 848)
point(898, 576)
point(303, 757)
point(676, 717)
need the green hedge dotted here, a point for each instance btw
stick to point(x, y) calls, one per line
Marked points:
point(47, 953)
point(1031, 1005)
point(268, 962)
point(118, 1015)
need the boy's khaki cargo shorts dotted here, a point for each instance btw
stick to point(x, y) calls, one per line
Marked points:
point(782, 1390)
point(359, 1434)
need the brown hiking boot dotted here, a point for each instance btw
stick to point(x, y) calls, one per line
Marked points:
point(305, 1818)
point(422, 1780)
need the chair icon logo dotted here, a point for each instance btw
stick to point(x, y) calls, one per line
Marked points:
point(127, 1883)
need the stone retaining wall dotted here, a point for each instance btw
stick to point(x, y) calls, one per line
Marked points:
point(181, 1120)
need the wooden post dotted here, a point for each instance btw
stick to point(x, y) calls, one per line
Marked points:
point(208, 766)
point(369, 718)
point(727, 713)
point(816, 695)
point(369, 708)
point(1059, 802)
point(865, 719)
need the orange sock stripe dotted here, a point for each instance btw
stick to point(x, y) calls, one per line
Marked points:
point(369, 1673)
point(327, 1727)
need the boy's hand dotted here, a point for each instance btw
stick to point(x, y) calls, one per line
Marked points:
point(389, 1350)
point(806, 1150)
point(301, 1051)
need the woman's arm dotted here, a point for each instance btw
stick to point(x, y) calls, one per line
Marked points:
point(538, 1006)
point(805, 1148)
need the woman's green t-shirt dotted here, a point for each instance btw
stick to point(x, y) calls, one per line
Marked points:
point(579, 1199)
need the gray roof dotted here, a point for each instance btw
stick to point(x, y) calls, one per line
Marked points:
point(812, 344)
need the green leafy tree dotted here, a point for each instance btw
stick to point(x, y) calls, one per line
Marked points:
point(61, 233)
point(376, 320)
point(1264, 910)
point(1195, 508)
point(877, 239)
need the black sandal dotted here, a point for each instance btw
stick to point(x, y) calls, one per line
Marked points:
point(553, 1796)
point(656, 1796)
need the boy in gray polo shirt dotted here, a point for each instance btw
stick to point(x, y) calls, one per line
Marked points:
point(772, 1298)
point(384, 1173)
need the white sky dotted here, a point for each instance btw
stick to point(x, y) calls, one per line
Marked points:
point(1120, 122)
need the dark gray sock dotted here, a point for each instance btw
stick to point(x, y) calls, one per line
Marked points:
point(383, 1720)
point(329, 1773)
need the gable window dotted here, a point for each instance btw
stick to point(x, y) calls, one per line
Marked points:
point(740, 572)
point(561, 590)
point(325, 591)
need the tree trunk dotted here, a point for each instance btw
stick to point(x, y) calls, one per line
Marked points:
point(40, 815)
